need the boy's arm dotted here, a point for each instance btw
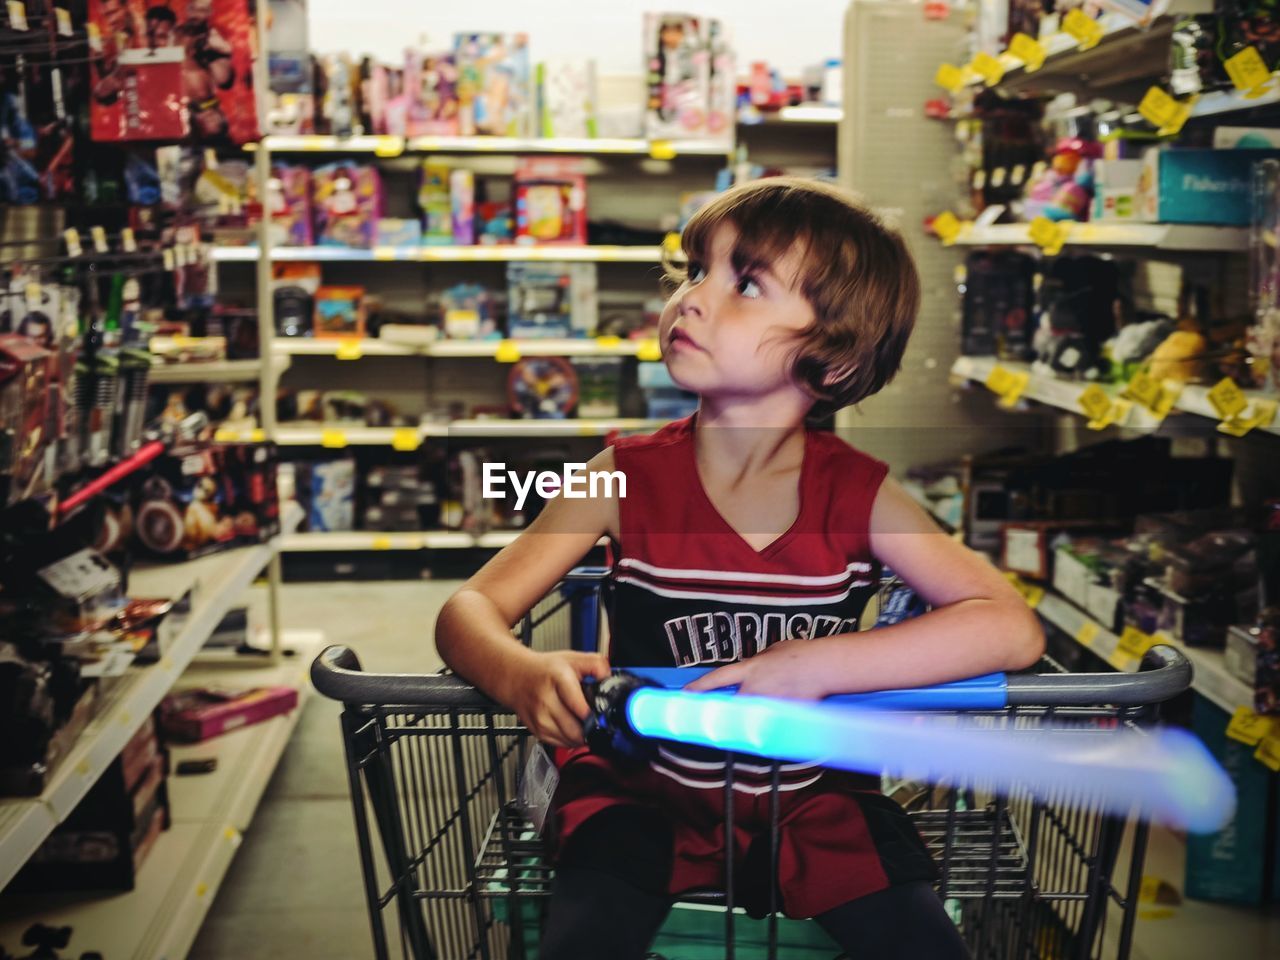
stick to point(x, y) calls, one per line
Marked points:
point(978, 625)
point(473, 630)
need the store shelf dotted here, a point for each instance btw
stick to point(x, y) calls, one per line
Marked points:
point(337, 436)
point(180, 878)
point(817, 114)
point(390, 146)
point(1230, 101)
point(364, 540)
point(1183, 237)
point(371, 347)
point(1065, 394)
point(1210, 678)
point(1129, 56)
point(226, 371)
point(218, 581)
point(496, 253)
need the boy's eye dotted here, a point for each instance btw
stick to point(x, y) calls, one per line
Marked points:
point(695, 272)
point(748, 287)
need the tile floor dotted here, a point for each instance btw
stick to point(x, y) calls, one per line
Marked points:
point(294, 888)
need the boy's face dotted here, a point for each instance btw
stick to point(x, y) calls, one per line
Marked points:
point(727, 335)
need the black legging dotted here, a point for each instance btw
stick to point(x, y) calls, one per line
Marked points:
point(597, 915)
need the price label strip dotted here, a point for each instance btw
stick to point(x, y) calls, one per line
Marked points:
point(947, 226)
point(349, 349)
point(1134, 643)
point(507, 352)
point(949, 77)
point(1260, 413)
point(988, 68)
point(1049, 235)
point(332, 439)
point(661, 150)
point(406, 439)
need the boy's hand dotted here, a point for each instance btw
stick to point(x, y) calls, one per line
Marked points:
point(546, 694)
point(792, 669)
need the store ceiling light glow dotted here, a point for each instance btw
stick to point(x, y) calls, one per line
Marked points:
point(1167, 773)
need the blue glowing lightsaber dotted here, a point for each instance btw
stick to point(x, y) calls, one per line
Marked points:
point(1167, 773)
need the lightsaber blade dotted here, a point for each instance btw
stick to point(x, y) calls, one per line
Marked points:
point(1168, 774)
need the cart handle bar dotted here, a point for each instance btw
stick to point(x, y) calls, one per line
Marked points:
point(1164, 673)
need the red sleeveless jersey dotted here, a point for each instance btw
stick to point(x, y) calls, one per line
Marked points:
point(689, 591)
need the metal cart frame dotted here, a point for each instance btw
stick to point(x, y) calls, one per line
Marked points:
point(434, 764)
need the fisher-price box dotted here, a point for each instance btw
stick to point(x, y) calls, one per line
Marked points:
point(1198, 186)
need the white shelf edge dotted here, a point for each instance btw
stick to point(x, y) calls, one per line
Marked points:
point(498, 253)
point(230, 371)
point(391, 145)
point(337, 436)
point(359, 541)
point(356, 348)
point(1064, 394)
point(27, 821)
point(1186, 237)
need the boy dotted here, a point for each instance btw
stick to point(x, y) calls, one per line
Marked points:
point(748, 541)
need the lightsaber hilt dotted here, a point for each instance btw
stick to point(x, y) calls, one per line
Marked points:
point(607, 729)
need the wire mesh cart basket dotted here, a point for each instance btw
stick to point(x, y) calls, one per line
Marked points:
point(453, 869)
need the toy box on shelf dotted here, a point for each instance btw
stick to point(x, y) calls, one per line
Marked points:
point(567, 98)
point(552, 299)
point(692, 90)
point(550, 200)
point(494, 86)
point(347, 200)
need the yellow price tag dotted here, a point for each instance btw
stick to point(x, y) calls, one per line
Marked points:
point(1050, 236)
point(1083, 28)
point(608, 343)
point(72, 237)
point(333, 439)
point(18, 15)
point(949, 77)
point(1268, 752)
point(1247, 69)
point(349, 349)
point(1144, 389)
point(1032, 594)
point(507, 352)
point(1248, 727)
point(1227, 398)
point(988, 68)
point(1262, 414)
point(1163, 112)
point(947, 227)
point(34, 295)
point(202, 890)
point(94, 35)
point(167, 258)
point(649, 350)
point(64, 21)
point(661, 150)
point(258, 435)
point(225, 435)
point(1134, 642)
point(406, 439)
point(999, 380)
point(671, 244)
point(388, 146)
point(128, 243)
point(1087, 633)
point(1095, 402)
point(382, 542)
point(1014, 389)
point(1029, 50)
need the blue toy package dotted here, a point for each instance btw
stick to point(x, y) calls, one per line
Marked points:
point(333, 496)
point(1198, 186)
point(467, 312)
point(551, 299)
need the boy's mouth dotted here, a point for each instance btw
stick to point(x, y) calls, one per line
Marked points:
point(678, 338)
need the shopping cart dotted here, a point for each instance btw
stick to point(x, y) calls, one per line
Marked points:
point(457, 871)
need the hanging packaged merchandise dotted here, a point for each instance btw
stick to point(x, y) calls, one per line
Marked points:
point(37, 163)
point(1264, 259)
point(24, 414)
point(171, 70)
point(494, 86)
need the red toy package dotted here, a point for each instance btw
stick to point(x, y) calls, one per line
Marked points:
point(170, 68)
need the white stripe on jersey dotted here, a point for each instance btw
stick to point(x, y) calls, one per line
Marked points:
point(737, 764)
point(740, 787)
point(695, 594)
point(792, 579)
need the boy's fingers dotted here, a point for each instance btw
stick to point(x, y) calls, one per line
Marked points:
point(569, 687)
point(725, 676)
point(591, 665)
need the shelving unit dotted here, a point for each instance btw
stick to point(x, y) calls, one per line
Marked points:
point(1065, 394)
point(184, 869)
point(217, 582)
point(1179, 237)
point(497, 253)
point(393, 146)
point(365, 540)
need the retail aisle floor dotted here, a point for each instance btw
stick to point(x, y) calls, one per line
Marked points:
point(294, 888)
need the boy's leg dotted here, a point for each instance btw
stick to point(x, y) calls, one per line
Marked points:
point(904, 922)
point(608, 896)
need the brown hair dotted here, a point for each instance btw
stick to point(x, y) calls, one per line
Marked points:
point(856, 273)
